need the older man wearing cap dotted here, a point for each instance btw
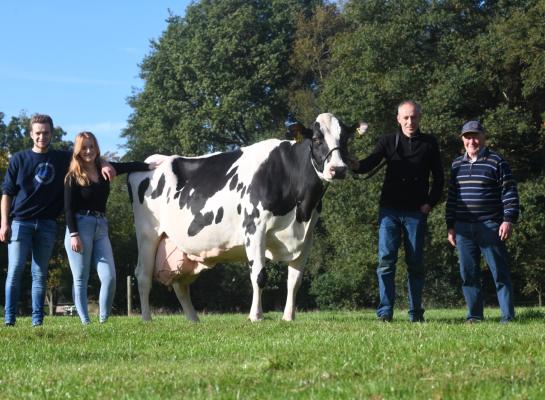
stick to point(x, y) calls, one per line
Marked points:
point(482, 206)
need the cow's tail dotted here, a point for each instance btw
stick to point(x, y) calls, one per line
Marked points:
point(156, 158)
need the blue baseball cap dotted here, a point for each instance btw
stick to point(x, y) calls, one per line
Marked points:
point(290, 120)
point(473, 127)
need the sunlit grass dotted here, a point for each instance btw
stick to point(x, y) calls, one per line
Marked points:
point(322, 355)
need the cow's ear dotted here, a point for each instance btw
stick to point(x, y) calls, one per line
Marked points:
point(316, 130)
point(359, 127)
point(307, 133)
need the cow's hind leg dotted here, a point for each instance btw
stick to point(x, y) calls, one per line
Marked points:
point(258, 277)
point(184, 297)
point(295, 276)
point(255, 250)
point(144, 273)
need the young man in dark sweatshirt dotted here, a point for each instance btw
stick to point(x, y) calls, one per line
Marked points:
point(405, 202)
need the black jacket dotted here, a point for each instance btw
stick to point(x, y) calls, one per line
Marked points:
point(407, 181)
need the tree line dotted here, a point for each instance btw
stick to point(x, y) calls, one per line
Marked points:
point(228, 72)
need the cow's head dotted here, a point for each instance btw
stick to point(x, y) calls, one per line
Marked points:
point(329, 148)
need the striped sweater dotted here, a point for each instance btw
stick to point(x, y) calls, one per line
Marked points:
point(482, 190)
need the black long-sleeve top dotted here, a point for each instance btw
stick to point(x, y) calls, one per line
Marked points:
point(407, 182)
point(94, 196)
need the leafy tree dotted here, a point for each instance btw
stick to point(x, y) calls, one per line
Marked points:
point(526, 246)
point(217, 78)
point(513, 64)
point(310, 58)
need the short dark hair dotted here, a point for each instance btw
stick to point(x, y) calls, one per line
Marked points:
point(412, 103)
point(41, 119)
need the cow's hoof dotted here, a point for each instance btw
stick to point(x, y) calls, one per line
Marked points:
point(256, 318)
point(288, 319)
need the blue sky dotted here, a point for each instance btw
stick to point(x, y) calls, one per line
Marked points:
point(78, 61)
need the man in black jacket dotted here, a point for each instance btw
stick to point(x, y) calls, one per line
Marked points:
point(405, 203)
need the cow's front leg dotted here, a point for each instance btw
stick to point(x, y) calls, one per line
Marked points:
point(184, 297)
point(295, 276)
point(255, 250)
point(295, 273)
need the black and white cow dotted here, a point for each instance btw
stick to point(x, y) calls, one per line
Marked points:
point(260, 201)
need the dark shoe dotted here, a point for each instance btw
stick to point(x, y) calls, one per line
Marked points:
point(384, 318)
point(10, 323)
point(472, 321)
point(419, 319)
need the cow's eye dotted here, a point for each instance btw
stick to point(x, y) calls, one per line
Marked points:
point(317, 141)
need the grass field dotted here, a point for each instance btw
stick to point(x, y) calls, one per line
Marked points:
point(321, 355)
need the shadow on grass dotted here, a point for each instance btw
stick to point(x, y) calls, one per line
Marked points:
point(523, 316)
point(530, 315)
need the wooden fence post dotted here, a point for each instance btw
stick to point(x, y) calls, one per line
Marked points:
point(129, 295)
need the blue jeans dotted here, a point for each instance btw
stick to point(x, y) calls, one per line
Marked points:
point(97, 252)
point(472, 240)
point(36, 236)
point(393, 225)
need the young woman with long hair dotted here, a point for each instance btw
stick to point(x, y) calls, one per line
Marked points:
point(87, 243)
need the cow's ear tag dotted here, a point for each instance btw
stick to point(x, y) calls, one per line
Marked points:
point(361, 128)
point(298, 132)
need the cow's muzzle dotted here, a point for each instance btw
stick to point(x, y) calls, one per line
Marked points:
point(338, 172)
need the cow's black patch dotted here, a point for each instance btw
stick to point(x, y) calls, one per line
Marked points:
point(198, 179)
point(158, 191)
point(199, 223)
point(142, 187)
point(243, 191)
point(168, 195)
point(248, 241)
point(249, 221)
point(251, 262)
point(239, 186)
point(233, 182)
point(129, 188)
point(287, 180)
point(239, 209)
point(262, 278)
point(219, 215)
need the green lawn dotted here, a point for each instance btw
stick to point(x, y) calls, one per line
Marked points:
point(321, 355)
